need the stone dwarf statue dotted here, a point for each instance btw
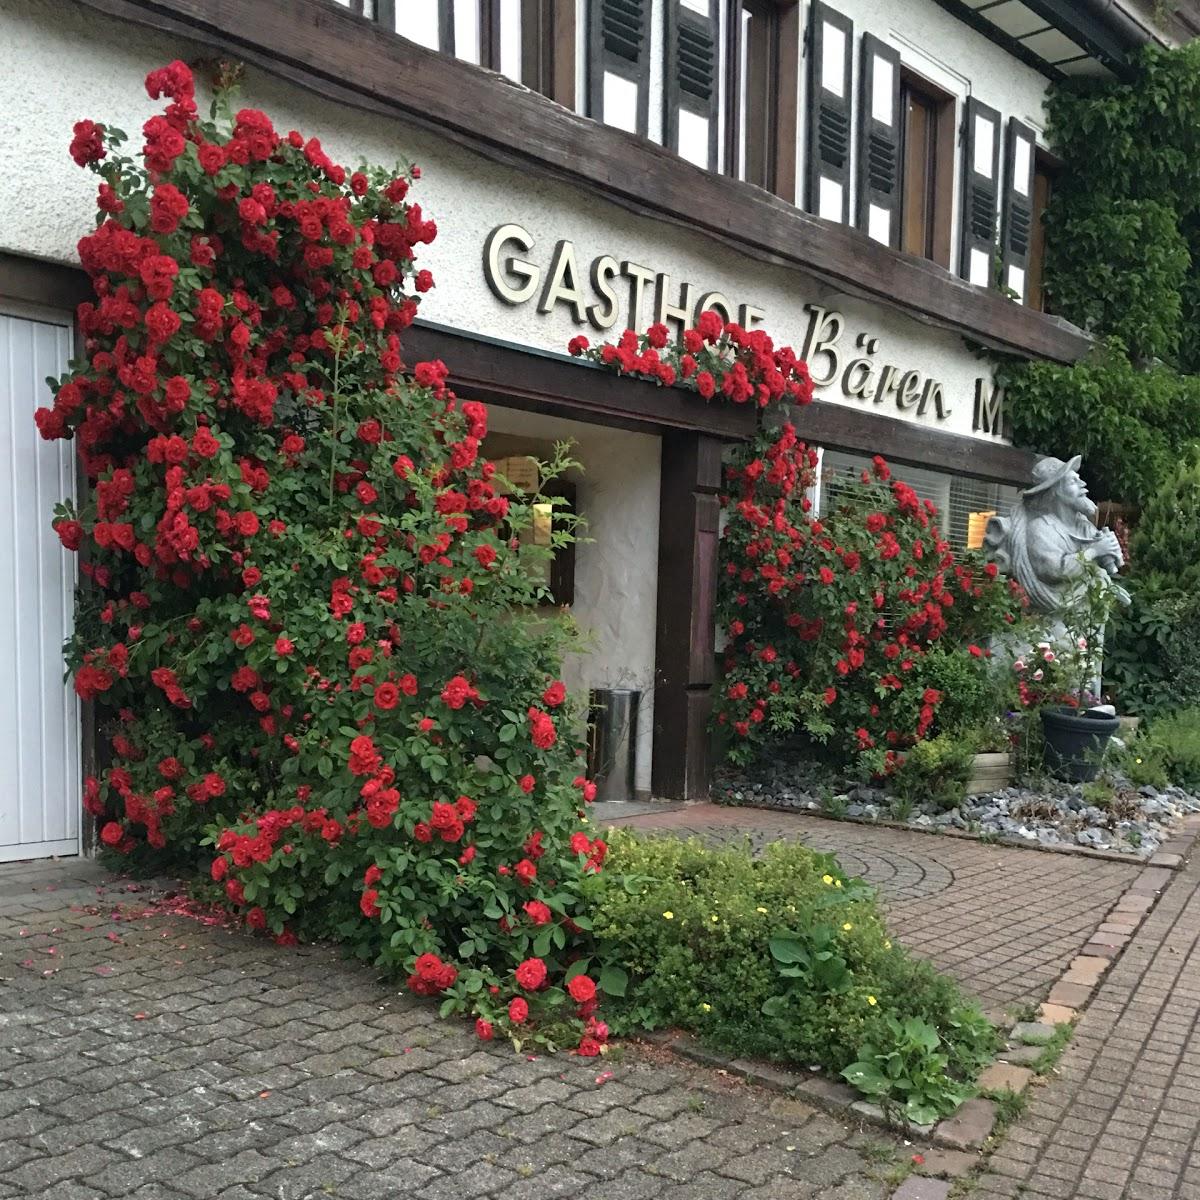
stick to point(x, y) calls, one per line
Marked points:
point(1046, 539)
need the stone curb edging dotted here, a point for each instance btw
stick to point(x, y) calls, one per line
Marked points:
point(961, 1137)
point(1176, 855)
point(818, 1090)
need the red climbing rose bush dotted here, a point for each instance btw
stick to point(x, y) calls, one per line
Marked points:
point(715, 358)
point(299, 615)
point(829, 622)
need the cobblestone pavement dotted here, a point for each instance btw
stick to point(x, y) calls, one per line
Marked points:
point(1120, 1120)
point(1004, 921)
point(145, 1054)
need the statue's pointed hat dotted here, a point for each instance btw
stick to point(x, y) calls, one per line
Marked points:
point(1048, 471)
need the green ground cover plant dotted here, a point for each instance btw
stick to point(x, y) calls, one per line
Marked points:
point(783, 957)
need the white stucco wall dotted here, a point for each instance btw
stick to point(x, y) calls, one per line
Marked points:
point(937, 45)
point(931, 41)
point(616, 562)
point(616, 569)
point(105, 63)
point(467, 195)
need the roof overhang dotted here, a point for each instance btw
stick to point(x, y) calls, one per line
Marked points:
point(1063, 38)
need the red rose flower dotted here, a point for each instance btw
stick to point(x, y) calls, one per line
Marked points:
point(537, 912)
point(582, 989)
point(541, 729)
point(518, 1011)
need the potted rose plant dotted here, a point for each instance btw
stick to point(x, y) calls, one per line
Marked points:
point(1076, 727)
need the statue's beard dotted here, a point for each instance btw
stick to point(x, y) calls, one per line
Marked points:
point(1085, 505)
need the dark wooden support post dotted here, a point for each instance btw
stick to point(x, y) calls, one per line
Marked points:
point(687, 592)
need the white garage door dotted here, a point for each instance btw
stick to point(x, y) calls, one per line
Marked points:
point(39, 714)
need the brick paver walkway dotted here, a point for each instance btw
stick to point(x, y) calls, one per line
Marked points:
point(1004, 921)
point(1122, 1119)
point(145, 1054)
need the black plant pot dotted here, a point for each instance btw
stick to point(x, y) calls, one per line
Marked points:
point(1074, 742)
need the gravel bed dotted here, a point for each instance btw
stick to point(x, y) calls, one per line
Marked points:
point(1055, 814)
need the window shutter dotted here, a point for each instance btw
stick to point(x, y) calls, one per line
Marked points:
point(619, 63)
point(879, 142)
point(1017, 226)
point(981, 181)
point(693, 33)
point(830, 51)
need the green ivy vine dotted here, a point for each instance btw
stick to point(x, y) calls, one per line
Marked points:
point(1123, 262)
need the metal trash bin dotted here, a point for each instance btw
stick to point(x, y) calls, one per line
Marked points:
point(612, 741)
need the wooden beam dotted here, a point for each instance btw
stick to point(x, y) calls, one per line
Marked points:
point(324, 47)
point(684, 647)
point(840, 427)
point(497, 372)
point(51, 285)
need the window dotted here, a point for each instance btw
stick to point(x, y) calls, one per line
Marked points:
point(1043, 186)
point(554, 507)
point(532, 41)
point(618, 63)
point(927, 169)
point(963, 504)
point(760, 93)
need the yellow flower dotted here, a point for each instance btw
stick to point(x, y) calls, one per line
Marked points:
point(837, 883)
point(760, 909)
point(706, 1008)
point(714, 918)
point(827, 879)
point(670, 916)
point(872, 1001)
point(887, 945)
point(1137, 760)
point(847, 927)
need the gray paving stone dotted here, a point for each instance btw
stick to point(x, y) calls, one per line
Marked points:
point(266, 1074)
point(39, 1174)
point(477, 1180)
point(969, 1127)
point(120, 1178)
point(611, 1127)
point(915, 1188)
point(248, 1167)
